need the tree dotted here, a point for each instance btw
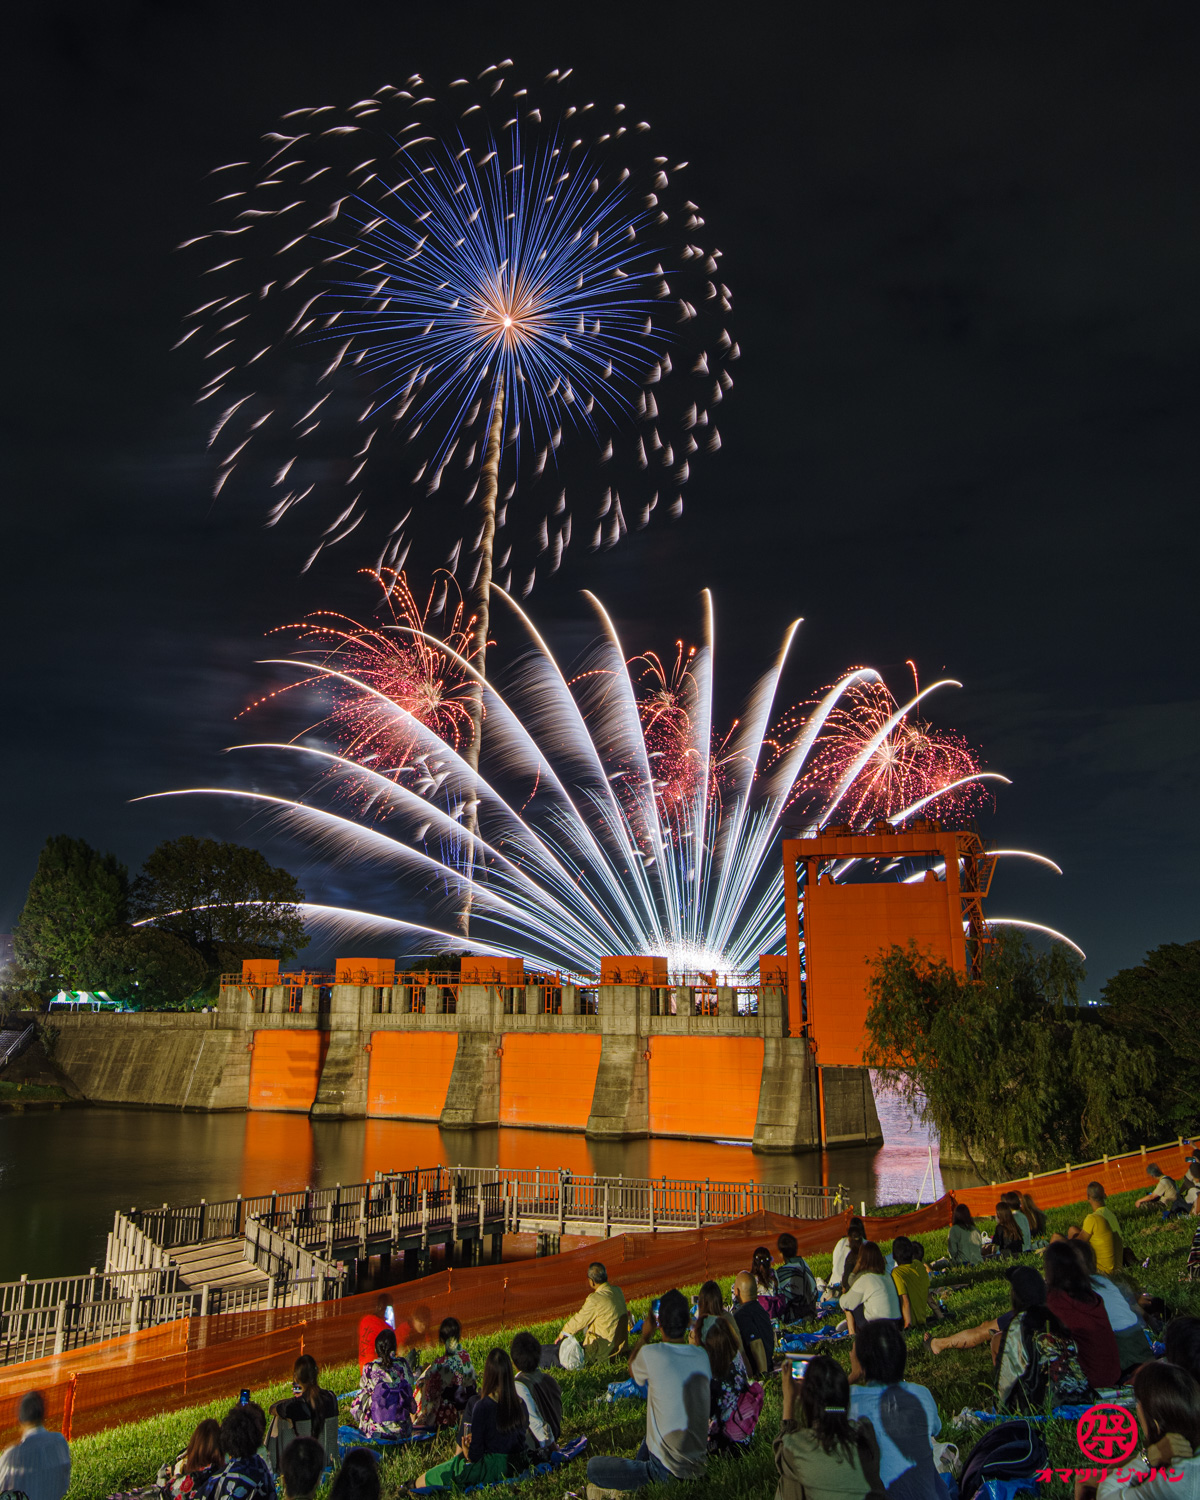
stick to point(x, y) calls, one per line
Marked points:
point(76, 895)
point(1009, 1068)
point(1159, 1002)
point(147, 968)
point(224, 900)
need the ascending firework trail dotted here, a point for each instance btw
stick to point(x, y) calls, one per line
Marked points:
point(421, 297)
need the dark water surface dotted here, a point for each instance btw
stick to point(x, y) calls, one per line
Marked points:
point(63, 1173)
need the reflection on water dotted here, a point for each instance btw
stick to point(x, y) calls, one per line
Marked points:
point(62, 1174)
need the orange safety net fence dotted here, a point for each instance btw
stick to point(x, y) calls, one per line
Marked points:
point(208, 1359)
point(1120, 1174)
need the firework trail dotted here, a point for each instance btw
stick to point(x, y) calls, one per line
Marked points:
point(469, 279)
point(494, 295)
point(584, 847)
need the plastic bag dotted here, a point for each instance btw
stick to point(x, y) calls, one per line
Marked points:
point(570, 1352)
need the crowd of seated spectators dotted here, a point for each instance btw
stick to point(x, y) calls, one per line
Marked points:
point(1075, 1329)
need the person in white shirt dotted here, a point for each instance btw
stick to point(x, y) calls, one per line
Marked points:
point(678, 1378)
point(40, 1462)
point(1168, 1409)
point(872, 1293)
point(855, 1235)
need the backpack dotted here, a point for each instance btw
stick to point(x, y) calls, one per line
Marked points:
point(796, 1282)
point(547, 1397)
point(1011, 1451)
point(740, 1426)
point(1039, 1365)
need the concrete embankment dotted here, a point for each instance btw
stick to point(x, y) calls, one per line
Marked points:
point(161, 1060)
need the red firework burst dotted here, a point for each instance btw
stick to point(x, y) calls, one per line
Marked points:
point(398, 664)
point(911, 761)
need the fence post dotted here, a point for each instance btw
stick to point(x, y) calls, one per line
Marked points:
point(607, 1214)
point(237, 1216)
point(204, 1300)
point(424, 1218)
point(135, 1309)
point(60, 1327)
point(697, 1205)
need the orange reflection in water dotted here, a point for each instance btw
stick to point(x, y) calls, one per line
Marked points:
point(277, 1154)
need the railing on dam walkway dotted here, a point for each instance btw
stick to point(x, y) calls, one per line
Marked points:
point(399, 1205)
point(538, 1197)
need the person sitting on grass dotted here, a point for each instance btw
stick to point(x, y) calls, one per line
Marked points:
point(855, 1235)
point(1006, 1237)
point(449, 1380)
point(1163, 1193)
point(677, 1376)
point(384, 1404)
point(709, 1310)
point(246, 1474)
point(1026, 1290)
point(495, 1436)
point(192, 1470)
point(773, 1302)
point(1168, 1410)
point(309, 1402)
point(1072, 1299)
point(911, 1281)
point(903, 1414)
point(539, 1391)
point(1100, 1230)
point(357, 1478)
point(600, 1320)
point(872, 1294)
point(735, 1402)
point(39, 1462)
point(301, 1468)
point(1019, 1218)
point(1037, 1219)
point(820, 1451)
point(964, 1243)
point(794, 1281)
point(755, 1331)
point(1124, 1314)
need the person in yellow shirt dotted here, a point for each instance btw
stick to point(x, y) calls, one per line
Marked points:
point(1101, 1231)
point(911, 1280)
point(601, 1319)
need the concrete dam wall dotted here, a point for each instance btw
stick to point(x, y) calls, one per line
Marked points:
point(614, 1062)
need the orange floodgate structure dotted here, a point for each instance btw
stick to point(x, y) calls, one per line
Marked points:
point(846, 924)
point(772, 1057)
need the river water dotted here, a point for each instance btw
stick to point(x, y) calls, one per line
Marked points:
point(63, 1173)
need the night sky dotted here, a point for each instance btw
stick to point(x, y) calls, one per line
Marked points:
point(963, 243)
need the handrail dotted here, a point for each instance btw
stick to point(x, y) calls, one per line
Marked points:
point(18, 1044)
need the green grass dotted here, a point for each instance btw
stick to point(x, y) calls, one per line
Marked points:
point(28, 1093)
point(128, 1456)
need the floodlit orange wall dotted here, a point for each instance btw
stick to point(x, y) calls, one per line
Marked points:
point(705, 1086)
point(845, 926)
point(409, 1073)
point(285, 1069)
point(548, 1080)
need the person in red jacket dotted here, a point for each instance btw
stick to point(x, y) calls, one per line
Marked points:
point(370, 1327)
point(1071, 1298)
